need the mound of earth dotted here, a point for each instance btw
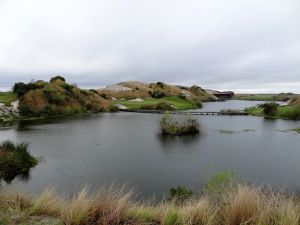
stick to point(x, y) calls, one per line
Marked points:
point(57, 98)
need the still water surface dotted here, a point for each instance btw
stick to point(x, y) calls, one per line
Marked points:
point(127, 147)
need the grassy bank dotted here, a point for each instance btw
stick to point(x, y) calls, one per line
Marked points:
point(291, 112)
point(176, 101)
point(241, 204)
point(7, 98)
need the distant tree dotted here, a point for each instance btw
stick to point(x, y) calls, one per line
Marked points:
point(20, 88)
point(57, 78)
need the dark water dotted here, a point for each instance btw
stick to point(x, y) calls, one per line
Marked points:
point(127, 147)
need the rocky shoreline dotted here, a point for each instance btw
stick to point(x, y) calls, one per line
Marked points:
point(8, 113)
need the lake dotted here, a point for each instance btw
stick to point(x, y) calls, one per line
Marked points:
point(127, 148)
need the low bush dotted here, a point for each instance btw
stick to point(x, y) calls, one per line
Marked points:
point(179, 125)
point(270, 109)
point(157, 94)
point(180, 194)
point(57, 78)
point(160, 84)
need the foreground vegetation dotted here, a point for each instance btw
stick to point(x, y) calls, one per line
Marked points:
point(7, 98)
point(15, 160)
point(179, 125)
point(235, 205)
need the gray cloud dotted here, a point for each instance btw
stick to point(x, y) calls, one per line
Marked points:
point(249, 45)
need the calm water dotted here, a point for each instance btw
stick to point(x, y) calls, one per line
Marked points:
point(127, 147)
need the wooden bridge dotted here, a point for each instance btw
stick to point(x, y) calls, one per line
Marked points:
point(180, 112)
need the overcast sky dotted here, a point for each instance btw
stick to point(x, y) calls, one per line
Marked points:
point(241, 45)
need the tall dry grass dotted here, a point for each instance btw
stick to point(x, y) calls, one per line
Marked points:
point(240, 205)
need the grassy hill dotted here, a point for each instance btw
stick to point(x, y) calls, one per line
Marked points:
point(155, 93)
point(57, 97)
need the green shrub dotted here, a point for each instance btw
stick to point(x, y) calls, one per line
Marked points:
point(20, 89)
point(57, 78)
point(160, 84)
point(182, 96)
point(157, 94)
point(58, 99)
point(180, 193)
point(68, 88)
point(49, 110)
point(176, 126)
point(218, 183)
point(270, 109)
point(84, 92)
point(103, 95)
point(94, 91)
point(25, 110)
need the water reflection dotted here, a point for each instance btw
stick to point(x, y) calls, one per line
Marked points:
point(9, 176)
point(171, 143)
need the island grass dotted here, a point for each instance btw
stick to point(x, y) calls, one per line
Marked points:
point(240, 204)
point(7, 98)
point(179, 125)
point(179, 103)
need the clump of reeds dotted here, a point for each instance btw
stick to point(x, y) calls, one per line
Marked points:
point(15, 160)
point(179, 125)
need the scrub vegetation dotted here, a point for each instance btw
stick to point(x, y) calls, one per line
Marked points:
point(220, 202)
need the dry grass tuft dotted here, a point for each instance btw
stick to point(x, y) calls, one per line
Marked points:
point(77, 210)
point(200, 212)
point(16, 201)
point(242, 206)
point(48, 203)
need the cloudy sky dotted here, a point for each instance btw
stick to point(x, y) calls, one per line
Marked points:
point(241, 45)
